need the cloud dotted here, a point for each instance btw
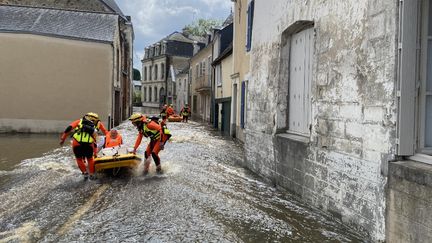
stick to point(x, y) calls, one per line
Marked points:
point(154, 19)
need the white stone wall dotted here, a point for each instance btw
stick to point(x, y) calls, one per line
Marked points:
point(182, 87)
point(342, 167)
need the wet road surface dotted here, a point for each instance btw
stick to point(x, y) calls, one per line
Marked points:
point(204, 195)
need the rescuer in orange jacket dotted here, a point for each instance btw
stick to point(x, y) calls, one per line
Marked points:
point(84, 132)
point(153, 130)
point(113, 138)
point(164, 113)
point(170, 110)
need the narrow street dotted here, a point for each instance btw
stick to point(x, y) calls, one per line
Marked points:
point(204, 195)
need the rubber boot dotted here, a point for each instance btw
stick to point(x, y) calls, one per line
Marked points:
point(147, 165)
point(159, 169)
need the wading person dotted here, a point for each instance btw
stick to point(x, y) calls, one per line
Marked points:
point(163, 113)
point(185, 112)
point(84, 133)
point(153, 130)
point(170, 110)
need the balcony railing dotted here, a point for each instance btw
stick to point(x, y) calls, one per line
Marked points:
point(203, 84)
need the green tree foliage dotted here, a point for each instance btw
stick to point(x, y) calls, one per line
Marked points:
point(136, 98)
point(136, 74)
point(201, 26)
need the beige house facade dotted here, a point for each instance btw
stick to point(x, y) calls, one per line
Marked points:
point(223, 90)
point(240, 73)
point(162, 61)
point(50, 78)
point(201, 76)
point(221, 81)
point(181, 95)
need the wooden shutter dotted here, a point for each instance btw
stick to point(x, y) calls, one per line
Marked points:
point(250, 13)
point(297, 83)
point(407, 76)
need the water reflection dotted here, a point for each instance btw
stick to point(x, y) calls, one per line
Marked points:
point(17, 147)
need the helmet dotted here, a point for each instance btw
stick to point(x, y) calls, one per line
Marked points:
point(171, 105)
point(91, 116)
point(136, 117)
point(165, 105)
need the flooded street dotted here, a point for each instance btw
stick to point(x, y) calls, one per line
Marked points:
point(204, 195)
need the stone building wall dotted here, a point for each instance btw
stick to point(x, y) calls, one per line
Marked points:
point(341, 167)
point(409, 216)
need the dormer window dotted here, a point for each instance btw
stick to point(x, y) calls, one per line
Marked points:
point(163, 49)
point(157, 51)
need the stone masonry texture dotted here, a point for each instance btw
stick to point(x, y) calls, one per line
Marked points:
point(341, 166)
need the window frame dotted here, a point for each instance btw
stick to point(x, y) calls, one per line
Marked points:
point(145, 73)
point(304, 125)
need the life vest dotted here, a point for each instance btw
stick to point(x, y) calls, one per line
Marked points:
point(111, 142)
point(185, 112)
point(84, 132)
point(166, 131)
point(152, 134)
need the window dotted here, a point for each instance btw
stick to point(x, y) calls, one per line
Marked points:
point(300, 75)
point(185, 84)
point(118, 63)
point(190, 75)
point(200, 69)
point(155, 94)
point(194, 104)
point(218, 73)
point(145, 94)
point(156, 72)
point(414, 127)
point(145, 74)
point(209, 72)
point(162, 71)
point(150, 72)
point(150, 94)
point(197, 71)
point(163, 49)
point(425, 102)
point(203, 67)
point(250, 13)
point(243, 105)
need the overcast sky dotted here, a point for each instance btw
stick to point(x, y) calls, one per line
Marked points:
point(154, 19)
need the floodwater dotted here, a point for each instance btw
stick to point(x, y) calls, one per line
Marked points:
point(204, 195)
point(17, 147)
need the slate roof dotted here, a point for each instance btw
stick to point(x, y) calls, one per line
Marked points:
point(177, 36)
point(61, 23)
point(113, 5)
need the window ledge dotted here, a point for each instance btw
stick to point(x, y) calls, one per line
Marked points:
point(295, 137)
point(424, 158)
